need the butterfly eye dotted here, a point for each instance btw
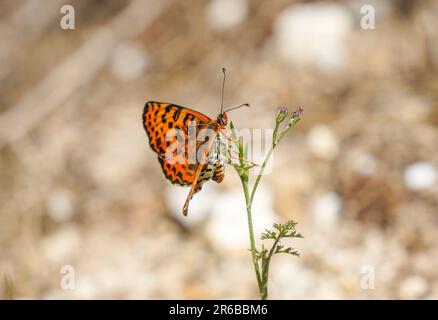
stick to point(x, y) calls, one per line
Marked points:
point(222, 120)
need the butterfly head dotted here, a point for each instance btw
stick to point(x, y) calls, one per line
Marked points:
point(222, 119)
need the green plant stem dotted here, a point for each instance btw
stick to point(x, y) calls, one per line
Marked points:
point(262, 278)
point(265, 269)
point(259, 176)
point(263, 286)
point(251, 233)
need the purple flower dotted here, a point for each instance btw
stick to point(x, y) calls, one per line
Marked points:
point(298, 112)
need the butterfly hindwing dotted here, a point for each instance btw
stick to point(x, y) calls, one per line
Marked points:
point(177, 173)
point(182, 173)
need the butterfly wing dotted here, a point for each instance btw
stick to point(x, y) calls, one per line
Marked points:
point(158, 120)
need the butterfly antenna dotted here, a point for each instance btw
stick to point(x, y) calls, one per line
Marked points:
point(223, 88)
point(242, 105)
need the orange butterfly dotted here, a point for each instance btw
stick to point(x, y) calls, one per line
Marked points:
point(186, 162)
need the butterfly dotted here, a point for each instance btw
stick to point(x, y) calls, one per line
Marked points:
point(187, 143)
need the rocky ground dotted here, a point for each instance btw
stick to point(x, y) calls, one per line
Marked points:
point(80, 187)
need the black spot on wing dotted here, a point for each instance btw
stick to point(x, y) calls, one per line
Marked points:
point(176, 115)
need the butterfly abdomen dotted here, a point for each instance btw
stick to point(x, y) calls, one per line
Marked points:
point(218, 173)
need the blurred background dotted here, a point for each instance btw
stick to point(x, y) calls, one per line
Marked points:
point(80, 187)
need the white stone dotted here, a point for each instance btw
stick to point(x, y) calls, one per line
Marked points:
point(290, 280)
point(326, 209)
point(365, 164)
point(313, 34)
point(323, 142)
point(62, 245)
point(87, 287)
point(60, 205)
point(413, 287)
point(128, 61)
point(228, 227)
point(200, 206)
point(420, 176)
point(226, 14)
point(124, 277)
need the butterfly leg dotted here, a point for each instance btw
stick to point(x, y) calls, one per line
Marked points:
point(197, 184)
point(230, 139)
point(195, 188)
point(230, 157)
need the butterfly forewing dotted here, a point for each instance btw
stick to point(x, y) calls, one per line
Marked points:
point(161, 119)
